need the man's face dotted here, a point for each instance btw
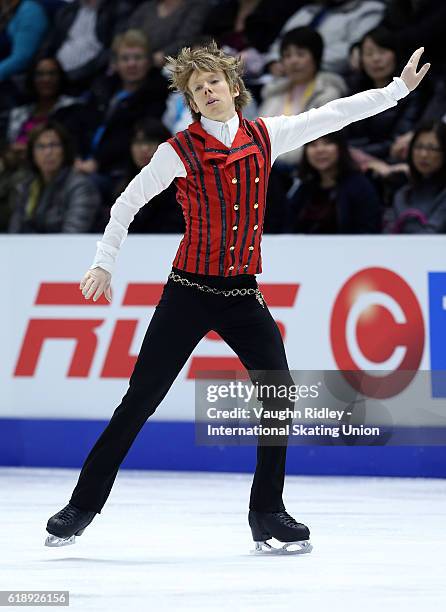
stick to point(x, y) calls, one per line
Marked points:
point(132, 64)
point(211, 95)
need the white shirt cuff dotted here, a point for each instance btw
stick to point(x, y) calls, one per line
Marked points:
point(398, 88)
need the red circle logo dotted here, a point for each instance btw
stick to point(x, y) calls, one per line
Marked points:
point(377, 324)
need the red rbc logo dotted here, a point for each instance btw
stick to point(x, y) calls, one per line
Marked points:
point(119, 361)
point(377, 325)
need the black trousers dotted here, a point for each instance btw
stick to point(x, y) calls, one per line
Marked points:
point(183, 316)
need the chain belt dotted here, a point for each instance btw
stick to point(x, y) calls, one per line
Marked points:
point(226, 292)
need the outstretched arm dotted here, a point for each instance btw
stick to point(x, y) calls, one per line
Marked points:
point(163, 168)
point(289, 133)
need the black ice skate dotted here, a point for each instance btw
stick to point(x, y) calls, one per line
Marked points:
point(66, 524)
point(282, 527)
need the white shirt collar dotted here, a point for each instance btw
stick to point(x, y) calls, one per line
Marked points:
point(223, 131)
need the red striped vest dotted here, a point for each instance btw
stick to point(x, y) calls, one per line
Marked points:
point(223, 199)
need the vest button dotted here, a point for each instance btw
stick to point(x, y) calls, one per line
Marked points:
point(235, 206)
point(234, 180)
point(251, 248)
point(256, 205)
point(256, 226)
point(231, 267)
point(231, 248)
point(256, 180)
point(234, 227)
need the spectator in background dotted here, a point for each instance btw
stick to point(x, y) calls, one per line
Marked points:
point(53, 197)
point(45, 84)
point(169, 24)
point(433, 110)
point(81, 36)
point(334, 197)
point(373, 138)
point(303, 86)
point(341, 23)
point(163, 214)
point(420, 206)
point(23, 24)
point(136, 90)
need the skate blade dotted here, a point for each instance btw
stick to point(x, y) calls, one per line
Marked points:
point(54, 541)
point(299, 548)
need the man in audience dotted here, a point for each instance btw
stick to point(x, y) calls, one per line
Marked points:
point(136, 90)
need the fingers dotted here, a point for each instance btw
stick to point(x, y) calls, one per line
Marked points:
point(415, 57)
point(84, 280)
point(87, 285)
point(423, 70)
point(95, 283)
point(98, 293)
point(91, 289)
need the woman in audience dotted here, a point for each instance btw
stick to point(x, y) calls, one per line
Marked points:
point(163, 214)
point(333, 196)
point(420, 206)
point(45, 84)
point(303, 86)
point(373, 137)
point(53, 197)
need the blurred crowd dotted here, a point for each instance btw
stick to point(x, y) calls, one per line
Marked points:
point(84, 103)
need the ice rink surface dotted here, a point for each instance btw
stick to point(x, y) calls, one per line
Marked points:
point(180, 541)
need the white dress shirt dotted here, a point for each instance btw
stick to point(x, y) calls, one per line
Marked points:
point(286, 133)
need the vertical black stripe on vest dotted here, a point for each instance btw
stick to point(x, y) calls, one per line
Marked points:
point(247, 213)
point(221, 197)
point(189, 162)
point(267, 167)
point(256, 221)
point(237, 214)
point(259, 142)
point(261, 127)
point(206, 200)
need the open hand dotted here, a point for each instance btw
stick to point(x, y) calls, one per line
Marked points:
point(96, 282)
point(410, 76)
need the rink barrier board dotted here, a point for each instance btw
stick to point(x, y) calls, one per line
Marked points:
point(44, 320)
point(171, 446)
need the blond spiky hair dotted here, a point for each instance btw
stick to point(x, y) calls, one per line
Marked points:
point(206, 58)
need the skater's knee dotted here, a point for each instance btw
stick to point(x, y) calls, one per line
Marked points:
point(137, 401)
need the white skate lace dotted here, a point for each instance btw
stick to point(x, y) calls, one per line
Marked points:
point(226, 292)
